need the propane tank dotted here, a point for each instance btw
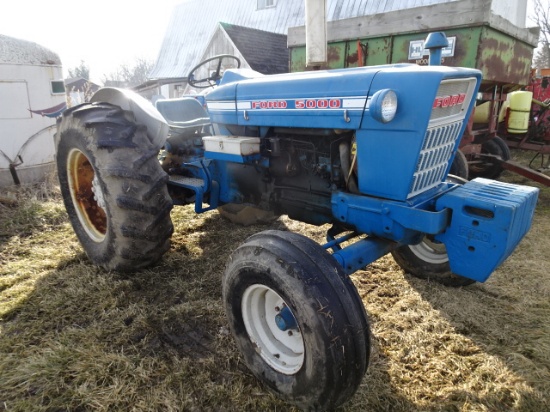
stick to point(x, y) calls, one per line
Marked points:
point(520, 107)
point(481, 112)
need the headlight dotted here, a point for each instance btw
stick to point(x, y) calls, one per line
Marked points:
point(383, 105)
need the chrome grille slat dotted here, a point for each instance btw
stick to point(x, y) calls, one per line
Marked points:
point(434, 157)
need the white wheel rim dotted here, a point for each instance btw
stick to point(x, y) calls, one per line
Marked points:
point(282, 350)
point(431, 252)
point(87, 196)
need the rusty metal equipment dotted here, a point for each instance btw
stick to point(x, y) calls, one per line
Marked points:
point(479, 39)
point(495, 130)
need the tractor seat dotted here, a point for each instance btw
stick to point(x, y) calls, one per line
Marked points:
point(183, 113)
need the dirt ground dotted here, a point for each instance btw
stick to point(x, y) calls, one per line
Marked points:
point(74, 337)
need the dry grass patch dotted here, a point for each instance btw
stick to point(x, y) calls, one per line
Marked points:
point(74, 337)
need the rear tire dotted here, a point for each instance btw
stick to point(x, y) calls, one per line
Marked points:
point(113, 187)
point(318, 362)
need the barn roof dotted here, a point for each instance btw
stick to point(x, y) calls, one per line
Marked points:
point(194, 21)
point(264, 51)
point(17, 51)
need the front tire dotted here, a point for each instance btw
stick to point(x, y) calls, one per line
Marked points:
point(113, 187)
point(459, 167)
point(297, 319)
point(429, 259)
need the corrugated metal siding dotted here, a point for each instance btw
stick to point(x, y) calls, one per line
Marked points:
point(193, 24)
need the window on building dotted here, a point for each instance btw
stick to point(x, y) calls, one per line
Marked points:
point(264, 4)
point(58, 87)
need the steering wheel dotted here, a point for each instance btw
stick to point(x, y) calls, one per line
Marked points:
point(216, 75)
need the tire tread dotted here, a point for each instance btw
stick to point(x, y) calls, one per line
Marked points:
point(133, 182)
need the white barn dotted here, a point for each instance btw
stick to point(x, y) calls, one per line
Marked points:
point(32, 94)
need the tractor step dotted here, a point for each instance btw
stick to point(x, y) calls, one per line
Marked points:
point(199, 186)
point(187, 182)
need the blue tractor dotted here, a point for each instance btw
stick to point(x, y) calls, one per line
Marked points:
point(366, 150)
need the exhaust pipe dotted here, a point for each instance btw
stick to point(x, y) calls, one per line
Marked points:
point(435, 42)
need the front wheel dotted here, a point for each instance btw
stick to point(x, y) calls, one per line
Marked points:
point(297, 319)
point(429, 259)
point(113, 187)
point(459, 167)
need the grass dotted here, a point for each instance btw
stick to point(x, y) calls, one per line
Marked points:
point(76, 338)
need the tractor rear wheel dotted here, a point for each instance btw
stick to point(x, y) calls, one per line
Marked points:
point(297, 319)
point(113, 187)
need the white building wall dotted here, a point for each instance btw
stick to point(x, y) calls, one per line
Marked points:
point(515, 11)
point(26, 136)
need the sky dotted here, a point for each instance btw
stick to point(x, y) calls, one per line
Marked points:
point(105, 34)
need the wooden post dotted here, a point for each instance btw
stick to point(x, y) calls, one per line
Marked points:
point(316, 32)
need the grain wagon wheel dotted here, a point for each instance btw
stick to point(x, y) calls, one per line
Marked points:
point(487, 167)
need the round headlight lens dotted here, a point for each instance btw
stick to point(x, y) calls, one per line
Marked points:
point(383, 105)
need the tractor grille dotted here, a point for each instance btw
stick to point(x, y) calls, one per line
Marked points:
point(434, 157)
point(446, 122)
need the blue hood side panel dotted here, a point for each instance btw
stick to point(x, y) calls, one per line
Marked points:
point(221, 104)
point(322, 99)
point(389, 155)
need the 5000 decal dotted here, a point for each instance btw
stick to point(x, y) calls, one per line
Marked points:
point(318, 104)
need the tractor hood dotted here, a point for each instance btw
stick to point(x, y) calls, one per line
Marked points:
point(332, 99)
